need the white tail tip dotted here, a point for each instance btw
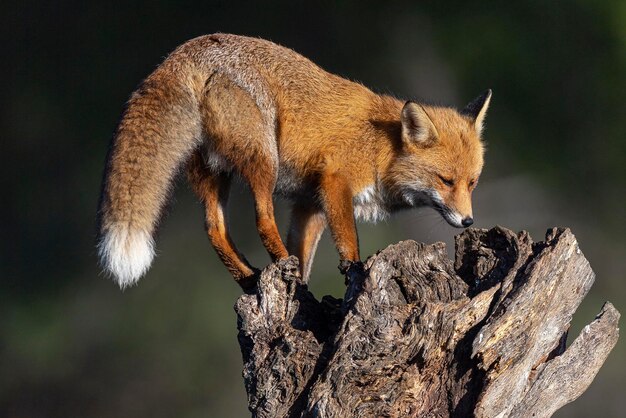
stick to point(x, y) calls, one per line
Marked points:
point(126, 253)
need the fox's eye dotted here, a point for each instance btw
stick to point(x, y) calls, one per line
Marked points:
point(446, 181)
point(472, 183)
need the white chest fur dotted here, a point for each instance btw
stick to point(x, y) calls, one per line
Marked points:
point(369, 205)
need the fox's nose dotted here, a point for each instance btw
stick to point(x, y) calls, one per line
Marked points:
point(467, 221)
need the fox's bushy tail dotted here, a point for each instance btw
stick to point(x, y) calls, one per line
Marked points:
point(159, 129)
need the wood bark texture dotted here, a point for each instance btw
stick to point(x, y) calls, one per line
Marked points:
point(419, 335)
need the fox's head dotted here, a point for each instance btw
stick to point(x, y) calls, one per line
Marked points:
point(441, 158)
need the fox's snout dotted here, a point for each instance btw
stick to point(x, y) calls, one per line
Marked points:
point(455, 219)
point(455, 207)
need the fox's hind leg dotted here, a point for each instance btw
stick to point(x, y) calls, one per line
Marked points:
point(212, 189)
point(246, 137)
point(262, 179)
point(307, 225)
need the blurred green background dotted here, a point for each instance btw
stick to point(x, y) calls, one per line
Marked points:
point(72, 344)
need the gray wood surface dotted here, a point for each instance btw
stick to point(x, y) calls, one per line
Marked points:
point(420, 335)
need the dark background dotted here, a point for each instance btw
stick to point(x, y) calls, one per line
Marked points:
point(72, 344)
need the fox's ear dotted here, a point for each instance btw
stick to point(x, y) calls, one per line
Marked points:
point(417, 127)
point(477, 110)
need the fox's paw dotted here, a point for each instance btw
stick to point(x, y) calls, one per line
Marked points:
point(249, 283)
point(344, 266)
point(351, 268)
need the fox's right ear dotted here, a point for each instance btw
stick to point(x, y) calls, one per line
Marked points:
point(417, 127)
point(477, 110)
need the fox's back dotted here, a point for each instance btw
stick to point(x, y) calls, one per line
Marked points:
point(291, 76)
point(314, 114)
point(302, 94)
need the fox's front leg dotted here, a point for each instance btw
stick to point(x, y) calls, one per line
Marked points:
point(337, 201)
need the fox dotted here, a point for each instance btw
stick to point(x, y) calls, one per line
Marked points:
point(222, 106)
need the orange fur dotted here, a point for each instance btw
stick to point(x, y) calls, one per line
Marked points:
point(251, 107)
point(307, 225)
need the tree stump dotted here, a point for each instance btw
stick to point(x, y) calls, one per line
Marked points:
point(420, 335)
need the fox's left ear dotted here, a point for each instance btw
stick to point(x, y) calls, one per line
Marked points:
point(417, 127)
point(477, 110)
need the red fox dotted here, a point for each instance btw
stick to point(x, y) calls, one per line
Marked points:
point(223, 105)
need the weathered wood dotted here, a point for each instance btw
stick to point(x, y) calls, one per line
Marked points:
point(419, 335)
